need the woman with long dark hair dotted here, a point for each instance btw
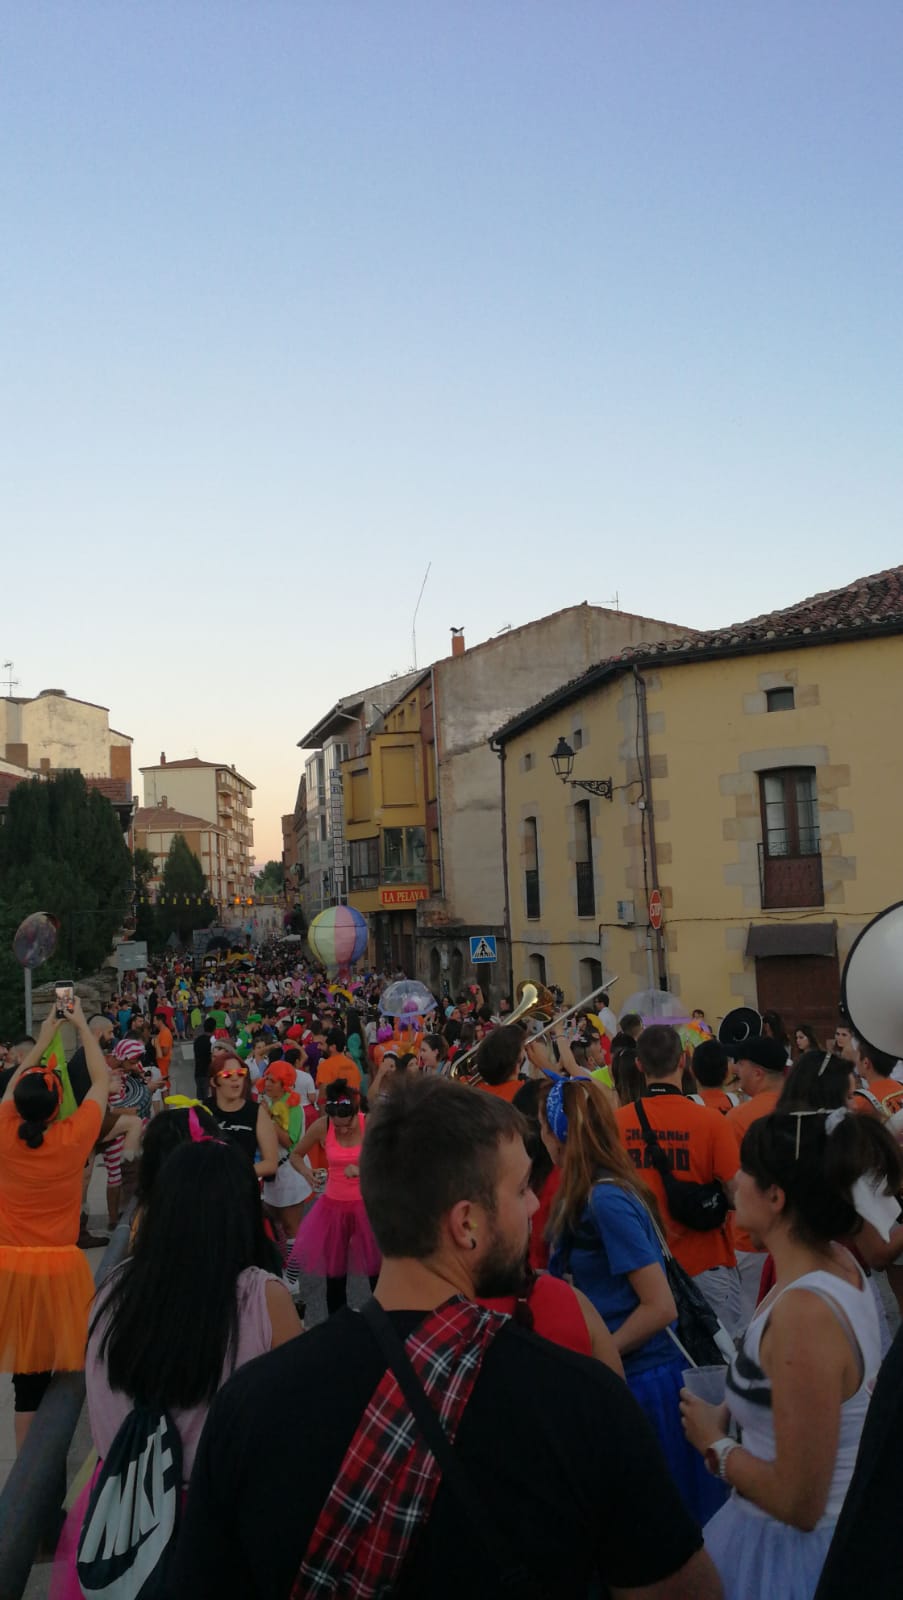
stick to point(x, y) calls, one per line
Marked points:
point(800, 1384)
point(45, 1281)
point(193, 1302)
point(607, 1235)
point(804, 1038)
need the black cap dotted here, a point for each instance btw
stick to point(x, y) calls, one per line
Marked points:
point(768, 1054)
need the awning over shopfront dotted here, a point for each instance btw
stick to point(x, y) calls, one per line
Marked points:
point(791, 939)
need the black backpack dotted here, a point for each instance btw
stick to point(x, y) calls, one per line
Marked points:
point(703, 1206)
point(128, 1534)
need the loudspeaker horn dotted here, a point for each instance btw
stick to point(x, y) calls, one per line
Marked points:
point(741, 1023)
point(872, 984)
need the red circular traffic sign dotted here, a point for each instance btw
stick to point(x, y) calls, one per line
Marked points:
point(656, 910)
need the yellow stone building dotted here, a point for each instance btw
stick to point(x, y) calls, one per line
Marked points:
point(756, 775)
point(390, 802)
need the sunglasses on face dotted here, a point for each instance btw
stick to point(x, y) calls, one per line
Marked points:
point(233, 1072)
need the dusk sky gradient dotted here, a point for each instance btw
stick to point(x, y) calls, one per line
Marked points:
point(565, 298)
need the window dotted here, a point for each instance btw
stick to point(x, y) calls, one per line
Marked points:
point(790, 812)
point(590, 975)
point(586, 889)
point(528, 761)
point(779, 699)
point(537, 965)
point(399, 775)
point(360, 796)
point(404, 855)
point(322, 826)
point(363, 864)
point(790, 861)
point(577, 739)
point(531, 867)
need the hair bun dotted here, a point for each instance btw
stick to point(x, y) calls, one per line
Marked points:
point(32, 1133)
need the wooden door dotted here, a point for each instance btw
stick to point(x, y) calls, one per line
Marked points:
point(801, 989)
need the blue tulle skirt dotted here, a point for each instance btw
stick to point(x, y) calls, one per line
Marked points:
point(658, 1392)
point(755, 1555)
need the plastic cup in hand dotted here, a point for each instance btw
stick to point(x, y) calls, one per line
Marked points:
point(707, 1383)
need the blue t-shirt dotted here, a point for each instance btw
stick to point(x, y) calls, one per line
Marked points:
point(624, 1241)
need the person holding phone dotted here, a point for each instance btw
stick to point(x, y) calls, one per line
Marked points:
point(46, 1285)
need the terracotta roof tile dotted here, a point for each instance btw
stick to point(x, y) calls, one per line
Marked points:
point(166, 819)
point(8, 782)
point(873, 604)
point(118, 790)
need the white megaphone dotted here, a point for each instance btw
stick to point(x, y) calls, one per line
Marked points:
point(872, 984)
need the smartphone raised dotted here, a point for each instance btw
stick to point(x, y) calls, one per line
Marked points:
point(64, 991)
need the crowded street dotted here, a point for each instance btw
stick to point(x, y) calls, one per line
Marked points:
point(451, 1073)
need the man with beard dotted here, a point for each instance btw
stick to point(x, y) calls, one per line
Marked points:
point(555, 1480)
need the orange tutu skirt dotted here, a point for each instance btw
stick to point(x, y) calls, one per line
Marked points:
point(45, 1299)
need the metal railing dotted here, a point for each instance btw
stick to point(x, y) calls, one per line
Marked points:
point(34, 1492)
point(788, 881)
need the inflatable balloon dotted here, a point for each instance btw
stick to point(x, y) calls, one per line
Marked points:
point(338, 936)
point(35, 939)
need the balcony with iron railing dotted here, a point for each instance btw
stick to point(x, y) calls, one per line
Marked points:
point(790, 877)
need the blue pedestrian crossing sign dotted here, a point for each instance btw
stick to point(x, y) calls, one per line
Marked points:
point(482, 948)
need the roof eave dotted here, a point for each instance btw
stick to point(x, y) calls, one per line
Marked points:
point(596, 676)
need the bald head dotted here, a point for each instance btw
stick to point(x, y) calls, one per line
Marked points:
point(102, 1028)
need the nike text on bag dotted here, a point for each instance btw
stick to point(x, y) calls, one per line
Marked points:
point(702, 1206)
point(133, 1513)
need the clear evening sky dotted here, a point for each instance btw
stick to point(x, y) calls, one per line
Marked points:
point(566, 297)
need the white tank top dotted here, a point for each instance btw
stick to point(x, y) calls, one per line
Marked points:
point(749, 1388)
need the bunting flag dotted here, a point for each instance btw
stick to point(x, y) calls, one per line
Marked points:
point(54, 1057)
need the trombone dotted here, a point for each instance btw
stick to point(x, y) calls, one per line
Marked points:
point(534, 1000)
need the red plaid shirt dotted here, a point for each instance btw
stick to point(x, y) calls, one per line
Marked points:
point(389, 1479)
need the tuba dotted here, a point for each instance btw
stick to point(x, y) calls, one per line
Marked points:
point(533, 999)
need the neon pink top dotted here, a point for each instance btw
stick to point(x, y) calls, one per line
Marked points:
point(338, 1157)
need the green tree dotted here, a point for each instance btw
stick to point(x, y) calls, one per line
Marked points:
point(62, 851)
point(143, 867)
point(270, 880)
point(184, 903)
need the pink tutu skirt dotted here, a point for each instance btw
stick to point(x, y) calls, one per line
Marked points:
point(336, 1239)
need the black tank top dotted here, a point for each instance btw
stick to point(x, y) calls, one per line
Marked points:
point(240, 1124)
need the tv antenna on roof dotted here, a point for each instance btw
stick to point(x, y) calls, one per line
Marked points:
point(11, 682)
point(614, 601)
point(414, 618)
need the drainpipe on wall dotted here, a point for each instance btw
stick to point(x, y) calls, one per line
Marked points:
point(500, 752)
point(648, 826)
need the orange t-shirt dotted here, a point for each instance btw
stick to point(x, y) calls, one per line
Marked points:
point(502, 1091)
point(738, 1120)
point(163, 1050)
point(716, 1099)
point(882, 1089)
point(41, 1190)
point(703, 1148)
point(332, 1067)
